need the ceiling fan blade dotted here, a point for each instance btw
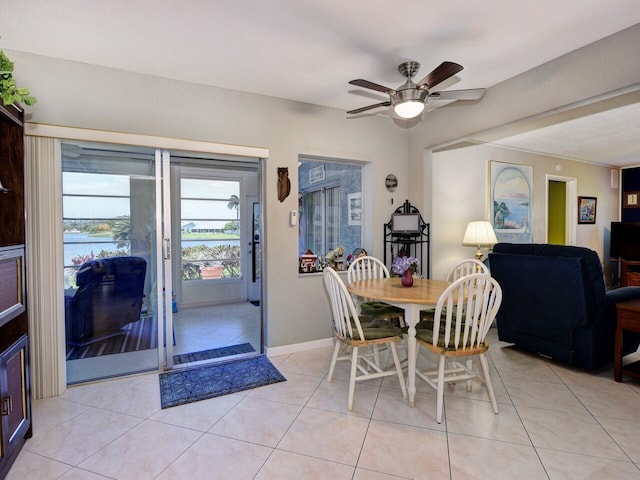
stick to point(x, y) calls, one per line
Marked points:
point(369, 107)
point(373, 86)
point(440, 74)
point(470, 94)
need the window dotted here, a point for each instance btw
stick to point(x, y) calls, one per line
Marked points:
point(107, 205)
point(209, 228)
point(330, 207)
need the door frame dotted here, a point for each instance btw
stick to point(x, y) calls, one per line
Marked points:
point(571, 207)
point(253, 287)
point(50, 366)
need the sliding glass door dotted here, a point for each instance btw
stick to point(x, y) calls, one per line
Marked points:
point(159, 259)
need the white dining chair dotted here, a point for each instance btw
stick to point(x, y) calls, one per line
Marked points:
point(365, 268)
point(467, 266)
point(458, 328)
point(464, 267)
point(350, 331)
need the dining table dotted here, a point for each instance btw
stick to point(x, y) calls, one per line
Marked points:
point(425, 292)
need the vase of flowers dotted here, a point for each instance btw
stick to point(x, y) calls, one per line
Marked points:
point(405, 266)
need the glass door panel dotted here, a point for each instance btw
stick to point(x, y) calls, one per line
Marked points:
point(111, 317)
point(211, 226)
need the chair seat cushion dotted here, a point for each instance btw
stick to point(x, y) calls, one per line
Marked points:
point(426, 324)
point(424, 332)
point(376, 328)
point(428, 313)
point(380, 309)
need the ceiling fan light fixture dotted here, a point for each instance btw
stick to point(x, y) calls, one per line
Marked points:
point(408, 108)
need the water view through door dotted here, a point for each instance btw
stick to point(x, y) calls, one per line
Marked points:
point(157, 260)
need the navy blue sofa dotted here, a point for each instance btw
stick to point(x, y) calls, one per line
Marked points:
point(555, 303)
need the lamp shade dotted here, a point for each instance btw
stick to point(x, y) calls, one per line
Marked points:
point(409, 108)
point(479, 233)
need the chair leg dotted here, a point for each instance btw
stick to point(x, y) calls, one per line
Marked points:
point(440, 393)
point(470, 381)
point(376, 355)
point(352, 377)
point(334, 358)
point(488, 384)
point(396, 361)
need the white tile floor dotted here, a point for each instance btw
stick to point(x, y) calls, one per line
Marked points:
point(555, 422)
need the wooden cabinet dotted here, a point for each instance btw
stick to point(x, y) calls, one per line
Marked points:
point(629, 273)
point(15, 406)
point(15, 392)
point(11, 176)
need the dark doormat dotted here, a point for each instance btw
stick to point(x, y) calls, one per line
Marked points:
point(255, 302)
point(213, 353)
point(192, 384)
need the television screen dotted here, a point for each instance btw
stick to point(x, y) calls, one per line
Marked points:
point(406, 223)
point(625, 240)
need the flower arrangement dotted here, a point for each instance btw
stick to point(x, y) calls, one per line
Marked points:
point(402, 264)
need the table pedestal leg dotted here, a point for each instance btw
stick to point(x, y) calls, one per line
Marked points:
point(412, 317)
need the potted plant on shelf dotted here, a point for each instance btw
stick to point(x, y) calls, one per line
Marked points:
point(10, 93)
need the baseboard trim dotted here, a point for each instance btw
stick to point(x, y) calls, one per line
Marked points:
point(299, 347)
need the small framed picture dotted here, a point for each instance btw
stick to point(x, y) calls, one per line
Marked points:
point(355, 208)
point(587, 209)
point(631, 199)
point(316, 174)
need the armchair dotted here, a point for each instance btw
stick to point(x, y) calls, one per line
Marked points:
point(555, 302)
point(109, 296)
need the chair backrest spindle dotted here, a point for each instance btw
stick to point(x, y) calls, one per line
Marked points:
point(467, 307)
point(343, 310)
point(468, 266)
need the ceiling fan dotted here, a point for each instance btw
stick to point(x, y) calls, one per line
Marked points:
point(409, 99)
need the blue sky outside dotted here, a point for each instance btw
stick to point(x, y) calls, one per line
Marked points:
point(103, 196)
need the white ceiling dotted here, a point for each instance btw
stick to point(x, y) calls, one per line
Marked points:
point(308, 50)
point(610, 137)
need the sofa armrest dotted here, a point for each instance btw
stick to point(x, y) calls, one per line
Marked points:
point(617, 295)
point(623, 294)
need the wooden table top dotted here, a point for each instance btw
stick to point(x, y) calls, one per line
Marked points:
point(424, 290)
point(633, 305)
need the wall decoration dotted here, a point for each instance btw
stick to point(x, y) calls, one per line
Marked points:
point(284, 184)
point(391, 182)
point(316, 174)
point(587, 209)
point(355, 208)
point(511, 200)
point(631, 199)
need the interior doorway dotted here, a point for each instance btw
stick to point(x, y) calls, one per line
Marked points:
point(561, 210)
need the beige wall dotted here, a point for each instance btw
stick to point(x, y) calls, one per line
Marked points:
point(85, 96)
point(459, 198)
point(577, 78)
point(450, 188)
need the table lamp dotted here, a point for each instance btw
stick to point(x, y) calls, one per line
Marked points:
point(479, 234)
